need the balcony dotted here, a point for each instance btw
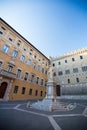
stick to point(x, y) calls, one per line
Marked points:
point(7, 74)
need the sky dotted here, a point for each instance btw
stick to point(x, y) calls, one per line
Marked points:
point(55, 27)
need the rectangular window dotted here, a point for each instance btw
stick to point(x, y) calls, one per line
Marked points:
point(65, 61)
point(73, 59)
point(42, 70)
point(30, 91)
point(39, 68)
point(54, 74)
point(75, 70)
point(15, 89)
point(22, 58)
point(67, 71)
point(45, 82)
point(15, 53)
point(84, 68)
point(36, 92)
point(35, 56)
point(60, 73)
point(18, 44)
point(29, 62)
point(32, 78)
point(23, 90)
point(26, 76)
point(42, 81)
point(59, 63)
point(10, 39)
point(53, 64)
point(10, 68)
point(3, 28)
point(37, 80)
point(68, 81)
point(18, 73)
point(24, 49)
point(5, 48)
point(77, 80)
point(46, 72)
point(81, 57)
point(34, 65)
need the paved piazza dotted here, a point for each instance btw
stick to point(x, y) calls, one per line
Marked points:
point(16, 116)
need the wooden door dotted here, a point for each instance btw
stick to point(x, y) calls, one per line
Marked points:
point(3, 88)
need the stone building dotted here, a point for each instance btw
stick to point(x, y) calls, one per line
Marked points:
point(70, 73)
point(23, 68)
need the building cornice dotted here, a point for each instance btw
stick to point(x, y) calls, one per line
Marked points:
point(73, 53)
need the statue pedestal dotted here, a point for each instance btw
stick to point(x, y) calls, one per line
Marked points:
point(51, 90)
point(49, 103)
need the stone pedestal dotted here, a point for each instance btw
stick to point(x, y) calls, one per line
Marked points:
point(49, 103)
point(51, 90)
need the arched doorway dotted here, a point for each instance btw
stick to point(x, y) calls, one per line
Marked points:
point(3, 88)
point(58, 90)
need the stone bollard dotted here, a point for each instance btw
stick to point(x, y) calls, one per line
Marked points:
point(28, 104)
point(51, 108)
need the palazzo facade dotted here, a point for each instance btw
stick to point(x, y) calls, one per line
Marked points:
point(70, 73)
point(23, 68)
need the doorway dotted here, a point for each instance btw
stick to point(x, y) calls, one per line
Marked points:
point(3, 88)
point(58, 90)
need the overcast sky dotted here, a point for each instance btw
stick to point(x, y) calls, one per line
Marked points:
point(55, 27)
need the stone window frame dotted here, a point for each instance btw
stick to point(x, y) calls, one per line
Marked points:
point(18, 75)
point(29, 61)
point(42, 81)
point(81, 57)
point(36, 92)
point(67, 71)
point(68, 81)
point(77, 80)
point(59, 63)
point(22, 58)
point(75, 70)
point(23, 90)
point(10, 68)
point(30, 91)
point(73, 59)
point(38, 80)
point(32, 78)
point(26, 75)
point(60, 73)
point(6, 48)
point(39, 68)
point(14, 53)
point(16, 89)
point(66, 61)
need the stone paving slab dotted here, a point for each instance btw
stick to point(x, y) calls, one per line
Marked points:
point(18, 120)
point(72, 123)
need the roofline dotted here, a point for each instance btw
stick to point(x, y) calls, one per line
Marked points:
point(23, 37)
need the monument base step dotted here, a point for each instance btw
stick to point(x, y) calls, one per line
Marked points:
point(50, 105)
